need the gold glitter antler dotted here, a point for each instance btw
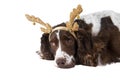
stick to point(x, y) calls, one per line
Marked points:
point(38, 20)
point(75, 13)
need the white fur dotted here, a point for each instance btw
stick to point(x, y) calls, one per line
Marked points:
point(95, 19)
point(62, 54)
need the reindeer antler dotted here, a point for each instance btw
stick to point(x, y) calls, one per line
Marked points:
point(70, 26)
point(75, 13)
point(38, 20)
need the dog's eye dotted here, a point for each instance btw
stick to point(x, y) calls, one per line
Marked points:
point(53, 44)
point(66, 38)
point(68, 41)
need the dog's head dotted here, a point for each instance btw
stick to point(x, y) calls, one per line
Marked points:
point(60, 42)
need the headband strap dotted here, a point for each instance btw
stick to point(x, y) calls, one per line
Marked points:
point(62, 28)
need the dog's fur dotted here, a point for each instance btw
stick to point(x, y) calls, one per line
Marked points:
point(87, 49)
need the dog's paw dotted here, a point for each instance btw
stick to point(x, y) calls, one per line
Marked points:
point(40, 54)
point(45, 55)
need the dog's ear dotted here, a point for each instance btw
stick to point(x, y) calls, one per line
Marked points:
point(45, 47)
point(84, 40)
point(84, 44)
point(80, 36)
point(88, 41)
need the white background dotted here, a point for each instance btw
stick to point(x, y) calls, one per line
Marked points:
point(19, 40)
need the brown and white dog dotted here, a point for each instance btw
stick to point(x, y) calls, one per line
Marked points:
point(92, 40)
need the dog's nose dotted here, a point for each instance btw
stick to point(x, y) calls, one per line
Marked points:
point(64, 63)
point(61, 62)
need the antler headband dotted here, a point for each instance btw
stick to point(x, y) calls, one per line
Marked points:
point(70, 25)
point(75, 13)
point(38, 20)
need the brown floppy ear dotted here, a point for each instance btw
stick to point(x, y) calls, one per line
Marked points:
point(84, 43)
point(84, 39)
point(84, 35)
point(88, 41)
point(45, 47)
